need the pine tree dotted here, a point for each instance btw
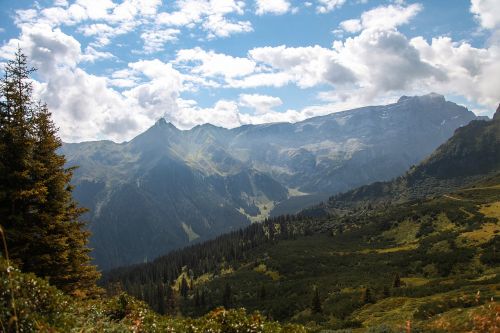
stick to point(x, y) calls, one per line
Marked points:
point(397, 281)
point(262, 292)
point(366, 296)
point(42, 221)
point(170, 305)
point(316, 302)
point(184, 288)
point(226, 296)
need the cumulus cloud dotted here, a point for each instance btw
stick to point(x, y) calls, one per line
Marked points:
point(487, 12)
point(85, 106)
point(276, 7)
point(210, 15)
point(472, 72)
point(154, 40)
point(383, 17)
point(212, 64)
point(326, 6)
point(260, 103)
point(128, 98)
point(304, 66)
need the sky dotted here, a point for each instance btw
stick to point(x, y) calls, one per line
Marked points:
point(108, 69)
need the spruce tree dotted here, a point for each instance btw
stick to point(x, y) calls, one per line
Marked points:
point(366, 296)
point(184, 288)
point(397, 281)
point(42, 221)
point(316, 302)
point(226, 296)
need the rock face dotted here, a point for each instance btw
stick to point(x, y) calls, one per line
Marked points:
point(167, 187)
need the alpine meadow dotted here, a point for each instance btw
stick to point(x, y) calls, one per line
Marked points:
point(250, 166)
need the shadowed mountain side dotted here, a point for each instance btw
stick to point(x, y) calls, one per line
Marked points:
point(472, 153)
point(167, 187)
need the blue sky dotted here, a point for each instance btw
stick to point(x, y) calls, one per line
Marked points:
point(108, 69)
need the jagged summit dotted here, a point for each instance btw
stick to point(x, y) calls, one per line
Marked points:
point(496, 116)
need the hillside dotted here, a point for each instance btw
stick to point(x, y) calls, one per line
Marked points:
point(443, 250)
point(470, 154)
point(167, 188)
point(424, 260)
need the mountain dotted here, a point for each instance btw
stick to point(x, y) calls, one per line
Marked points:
point(426, 261)
point(472, 153)
point(168, 187)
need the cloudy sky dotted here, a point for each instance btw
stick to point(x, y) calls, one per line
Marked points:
point(108, 69)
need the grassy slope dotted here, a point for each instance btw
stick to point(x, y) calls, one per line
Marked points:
point(444, 250)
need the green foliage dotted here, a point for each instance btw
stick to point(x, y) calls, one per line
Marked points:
point(342, 256)
point(39, 216)
point(43, 308)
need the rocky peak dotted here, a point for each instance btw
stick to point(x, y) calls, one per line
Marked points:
point(496, 116)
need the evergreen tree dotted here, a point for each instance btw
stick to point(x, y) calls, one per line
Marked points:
point(203, 299)
point(316, 302)
point(197, 299)
point(226, 296)
point(397, 281)
point(42, 221)
point(170, 304)
point(184, 288)
point(366, 296)
point(262, 292)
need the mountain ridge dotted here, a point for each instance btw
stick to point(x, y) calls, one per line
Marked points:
point(242, 175)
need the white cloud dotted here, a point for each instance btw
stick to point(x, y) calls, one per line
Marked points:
point(353, 25)
point(260, 103)
point(210, 15)
point(383, 17)
point(305, 66)
point(472, 72)
point(92, 55)
point(154, 40)
point(326, 6)
point(487, 12)
point(277, 7)
point(211, 64)
point(85, 106)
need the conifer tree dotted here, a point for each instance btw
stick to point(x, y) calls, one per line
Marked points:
point(226, 296)
point(366, 296)
point(42, 221)
point(184, 288)
point(316, 302)
point(262, 292)
point(397, 281)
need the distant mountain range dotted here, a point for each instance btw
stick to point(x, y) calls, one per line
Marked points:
point(471, 154)
point(167, 187)
point(422, 248)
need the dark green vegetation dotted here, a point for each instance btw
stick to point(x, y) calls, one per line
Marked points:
point(39, 218)
point(43, 308)
point(428, 261)
point(444, 251)
point(167, 188)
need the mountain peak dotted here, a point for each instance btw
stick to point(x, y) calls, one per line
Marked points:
point(429, 97)
point(162, 122)
point(497, 113)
